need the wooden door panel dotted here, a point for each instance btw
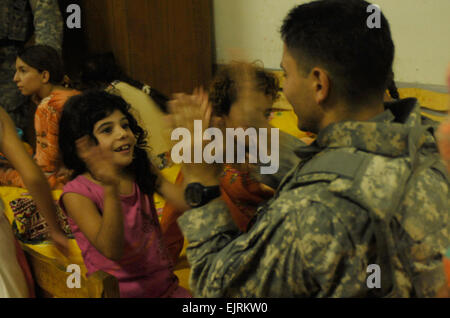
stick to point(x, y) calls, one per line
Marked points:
point(166, 44)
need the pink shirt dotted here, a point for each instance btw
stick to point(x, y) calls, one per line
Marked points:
point(145, 270)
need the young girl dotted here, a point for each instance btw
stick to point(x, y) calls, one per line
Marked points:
point(39, 74)
point(109, 201)
point(14, 271)
point(148, 105)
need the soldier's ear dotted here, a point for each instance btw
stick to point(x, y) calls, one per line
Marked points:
point(45, 75)
point(321, 85)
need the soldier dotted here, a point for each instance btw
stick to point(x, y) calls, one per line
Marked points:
point(369, 190)
point(17, 18)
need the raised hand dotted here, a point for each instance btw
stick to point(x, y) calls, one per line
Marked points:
point(185, 109)
point(97, 162)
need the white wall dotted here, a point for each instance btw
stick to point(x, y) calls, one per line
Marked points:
point(420, 29)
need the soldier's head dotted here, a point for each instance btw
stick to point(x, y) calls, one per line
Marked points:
point(332, 57)
point(38, 66)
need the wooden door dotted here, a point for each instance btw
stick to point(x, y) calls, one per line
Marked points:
point(163, 43)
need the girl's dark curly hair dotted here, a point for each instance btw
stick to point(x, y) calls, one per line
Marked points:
point(223, 92)
point(78, 118)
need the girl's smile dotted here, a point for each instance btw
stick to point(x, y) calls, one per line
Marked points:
point(124, 149)
point(114, 135)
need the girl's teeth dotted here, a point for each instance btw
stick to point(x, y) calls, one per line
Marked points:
point(123, 148)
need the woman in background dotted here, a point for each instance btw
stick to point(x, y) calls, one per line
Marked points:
point(39, 74)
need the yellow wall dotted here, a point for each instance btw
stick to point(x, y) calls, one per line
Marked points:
point(420, 28)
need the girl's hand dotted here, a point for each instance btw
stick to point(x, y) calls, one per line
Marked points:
point(61, 241)
point(97, 162)
point(184, 109)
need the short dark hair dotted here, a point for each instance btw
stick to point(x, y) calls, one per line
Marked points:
point(44, 58)
point(334, 34)
point(78, 119)
point(223, 89)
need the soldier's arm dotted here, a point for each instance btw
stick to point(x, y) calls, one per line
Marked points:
point(48, 23)
point(303, 252)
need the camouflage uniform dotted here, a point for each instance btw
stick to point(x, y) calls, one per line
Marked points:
point(17, 18)
point(317, 236)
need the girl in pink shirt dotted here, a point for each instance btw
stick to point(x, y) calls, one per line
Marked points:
point(109, 201)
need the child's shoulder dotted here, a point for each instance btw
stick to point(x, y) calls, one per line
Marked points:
point(82, 185)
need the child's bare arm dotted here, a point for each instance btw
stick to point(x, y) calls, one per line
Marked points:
point(32, 177)
point(105, 231)
point(172, 193)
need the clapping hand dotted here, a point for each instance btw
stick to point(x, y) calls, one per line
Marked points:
point(98, 163)
point(184, 110)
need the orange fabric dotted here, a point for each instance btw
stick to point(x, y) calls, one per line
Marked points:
point(46, 123)
point(241, 194)
point(447, 270)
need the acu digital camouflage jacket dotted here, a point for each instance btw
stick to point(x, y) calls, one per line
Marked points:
point(19, 19)
point(332, 217)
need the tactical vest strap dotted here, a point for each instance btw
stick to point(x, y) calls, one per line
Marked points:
point(16, 20)
point(342, 163)
point(353, 166)
point(418, 282)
